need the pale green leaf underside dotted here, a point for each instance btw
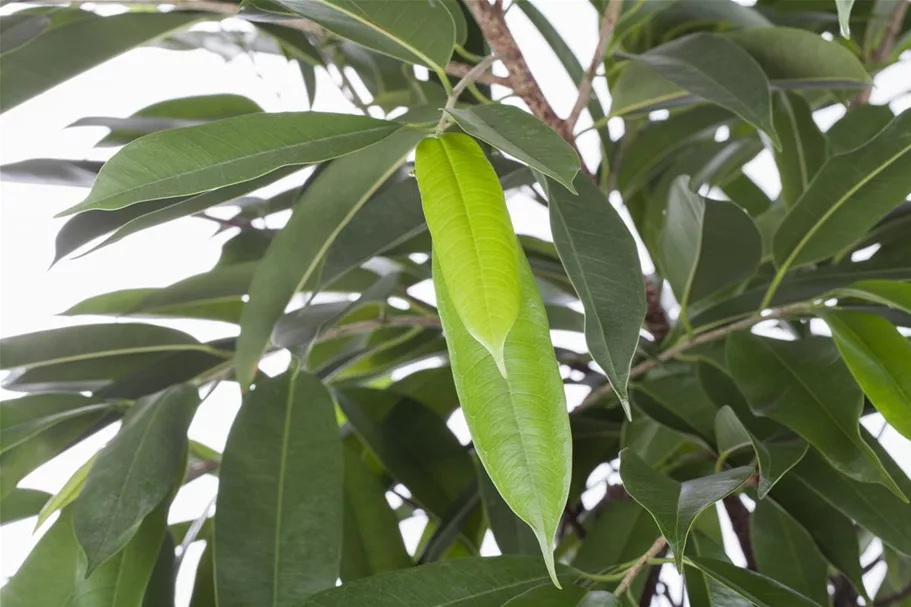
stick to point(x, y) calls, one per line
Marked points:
point(473, 239)
point(518, 423)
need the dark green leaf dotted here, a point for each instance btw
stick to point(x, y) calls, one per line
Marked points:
point(803, 149)
point(704, 590)
point(466, 582)
point(523, 136)
point(572, 596)
point(20, 504)
point(601, 259)
point(623, 532)
point(224, 153)
point(450, 527)
point(885, 292)
point(673, 505)
point(160, 591)
point(858, 126)
point(786, 553)
point(679, 402)
point(280, 532)
point(19, 29)
point(39, 65)
point(760, 590)
point(296, 253)
point(805, 386)
point(116, 496)
point(45, 411)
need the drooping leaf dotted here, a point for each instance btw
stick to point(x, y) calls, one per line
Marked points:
point(844, 16)
point(522, 136)
point(857, 127)
point(296, 252)
point(422, 33)
point(479, 582)
point(83, 342)
point(67, 494)
point(706, 244)
point(571, 596)
point(849, 195)
point(512, 534)
point(760, 590)
point(19, 29)
point(52, 171)
point(774, 456)
point(885, 292)
point(786, 553)
point(805, 386)
point(279, 523)
point(452, 531)
point(673, 505)
point(803, 149)
point(39, 65)
point(602, 262)
point(719, 71)
point(116, 496)
point(623, 532)
point(20, 504)
point(224, 153)
point(704, 590)
point(28, 416)
point(879, 357)
point(518, 421)
point(475, 247)
point(679, 402)
point(372, 542)
point(161, 589)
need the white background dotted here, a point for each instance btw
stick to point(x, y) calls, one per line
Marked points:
point(31, 294)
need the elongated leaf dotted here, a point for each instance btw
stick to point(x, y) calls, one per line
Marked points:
point(844, 16)
point(786, 553)
point(279, 534)
point(116, 496)
point(706, 244)
point(775, 457)
point(623, 532)
point(476, 249)
point(601, 259)
point(20, 504)
point(161, 588)
point(513, 536)
point(451, 532)
point(886, 292)
point(59, 409)
point(52, 171)
point(67, 494)
point(571, 596)
point(857, 127)
point(673, 505)
point(518, 421)
point(224, 153)
point(805, 386)
point(417, 32)
point(523, 136)
point(372, 542)
point(803, 149)
point(731, 78)
point(679, 402)
point(170, 114)
point(38, 66)
point(91, 341)
point(296, 252)
point(848, 196)
point(19, 29)
point(760, 590)
point(880, 360)
point(478, 582)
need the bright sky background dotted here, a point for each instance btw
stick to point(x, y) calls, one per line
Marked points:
point(31, 294)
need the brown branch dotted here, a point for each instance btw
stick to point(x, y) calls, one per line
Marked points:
point(461, 70)
point(656, 321)
point(628, 579)
point(881, 53)
point(893, 598)
point(430, 322)
point(740, 521)
point(651, 583)
point(608, 21)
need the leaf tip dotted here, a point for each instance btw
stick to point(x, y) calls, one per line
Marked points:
point(624, 402)
point(548, 555)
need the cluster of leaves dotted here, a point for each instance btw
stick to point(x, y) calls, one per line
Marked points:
point(699, 412)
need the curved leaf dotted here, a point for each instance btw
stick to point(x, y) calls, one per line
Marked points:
point(849, 195)
point(602, 262)
point(571, 596)
point(844, 16)
point(522, 136)
point(224, 153)
point(857, 127)
point(296, 253)
point(117, 497)
point(673, 505)
point(279, 523)
point(476, 248)
point(518, 421)
point(885, 292)
point(880, 360)
point(805, 386)
point(52, 171)
point(758, 589)
point(416, 32)
point(22, 503)
point(67, 494)
point(803, 149)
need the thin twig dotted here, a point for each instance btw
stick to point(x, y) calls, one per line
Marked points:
point(881, 53)
point(372, 325)
point(659, 545)
point(461, 69)
point(651, 582)
point(698, 340)
point(460, 86)
point(608, 21)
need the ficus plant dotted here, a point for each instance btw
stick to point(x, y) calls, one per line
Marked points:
point(726, 389)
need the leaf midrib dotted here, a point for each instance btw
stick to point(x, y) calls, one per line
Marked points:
point(282, 470)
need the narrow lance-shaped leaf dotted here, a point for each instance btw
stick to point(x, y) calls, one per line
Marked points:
point(22, 503)
point(850, 193)
point(884, 292)
point(758, 589)
point(479, 582)
point(279, 523)
point(518, 422)
point(600, 256)
point(296, 252)
point(67, 494)
point(803, 149)
point(673, 505)
point(134, 473)
point(522, 136)
point(805, 386)
point(774, 456)
point(879, 357)
point(719, 71)
point(706, 591)
point(844, 16)
point(476, 251)
point(226, 152)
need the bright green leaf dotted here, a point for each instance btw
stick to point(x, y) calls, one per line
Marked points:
point(884, 292)
point(844, 16)
point(476, 248)
point(513, 536)
point(279, 523)
point(68, 493)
